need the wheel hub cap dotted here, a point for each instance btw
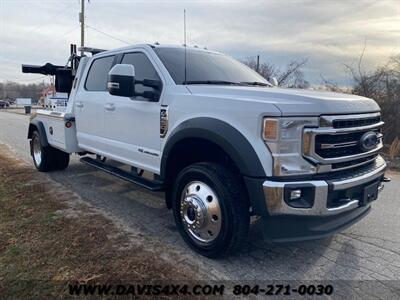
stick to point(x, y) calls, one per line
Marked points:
point(200, 212)
point(193, 212)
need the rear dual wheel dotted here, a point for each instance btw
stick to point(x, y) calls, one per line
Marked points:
point(210, 209)
point(47, 158)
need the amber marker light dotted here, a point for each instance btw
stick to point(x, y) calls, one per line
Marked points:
point(270, 130)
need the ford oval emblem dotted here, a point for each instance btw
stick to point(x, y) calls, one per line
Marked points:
point(369, 141)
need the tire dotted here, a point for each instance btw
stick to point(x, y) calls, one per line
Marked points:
point(210, 209)
point(61, 159)
point(47, 158)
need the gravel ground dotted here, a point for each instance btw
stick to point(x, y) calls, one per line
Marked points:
point(369, 250)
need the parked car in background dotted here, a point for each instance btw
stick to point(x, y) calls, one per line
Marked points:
point(4, 104)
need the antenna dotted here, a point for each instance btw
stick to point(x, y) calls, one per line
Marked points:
point(184, 37)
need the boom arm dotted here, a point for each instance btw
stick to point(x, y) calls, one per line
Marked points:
point(64, 77)
point(47, 69)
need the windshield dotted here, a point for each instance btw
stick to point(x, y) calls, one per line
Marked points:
point(205, 67)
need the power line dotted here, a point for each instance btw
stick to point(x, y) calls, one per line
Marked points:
point(65, 33)
point(45, 23)
point(108, 35)
point(52, 41)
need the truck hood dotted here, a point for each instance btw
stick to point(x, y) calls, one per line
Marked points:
point(291, 102)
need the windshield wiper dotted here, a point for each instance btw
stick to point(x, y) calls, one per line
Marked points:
point(255, 83)
point(211, 82)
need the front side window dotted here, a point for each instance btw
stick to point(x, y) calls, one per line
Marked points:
point(206, 67)
point(98, 74)
point(144, 69)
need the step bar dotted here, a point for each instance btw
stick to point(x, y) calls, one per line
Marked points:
point(152, 185)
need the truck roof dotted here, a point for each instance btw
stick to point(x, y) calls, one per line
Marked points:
point(153, 46)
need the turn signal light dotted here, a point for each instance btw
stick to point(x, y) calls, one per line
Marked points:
point(270, 130)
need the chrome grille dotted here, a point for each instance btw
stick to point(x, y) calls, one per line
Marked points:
point(360, 161)
point(335, 144)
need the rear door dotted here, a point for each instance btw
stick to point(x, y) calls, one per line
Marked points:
point(133, 124)
point(89, 106)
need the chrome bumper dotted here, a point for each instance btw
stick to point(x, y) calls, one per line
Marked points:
point(274, 192)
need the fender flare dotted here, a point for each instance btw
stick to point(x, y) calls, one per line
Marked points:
point(38, 125)
point(228, 138)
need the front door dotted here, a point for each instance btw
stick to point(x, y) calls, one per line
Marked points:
point(132, 125)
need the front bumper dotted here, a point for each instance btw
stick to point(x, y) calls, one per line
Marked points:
point(332, 195)
point(291, 228)
point(337, 204)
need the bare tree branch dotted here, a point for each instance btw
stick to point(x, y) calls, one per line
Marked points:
point(331, 86)
point(292, 76)
point(382, 85)
point(291, 69)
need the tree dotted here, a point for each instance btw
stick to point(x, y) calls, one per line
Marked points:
point(292, 76)
point(382, 85)
point(11, 90)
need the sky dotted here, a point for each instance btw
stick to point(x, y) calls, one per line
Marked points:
point(328, 33)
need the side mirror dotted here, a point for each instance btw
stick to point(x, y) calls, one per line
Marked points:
point(273, 81)
point(121, 80)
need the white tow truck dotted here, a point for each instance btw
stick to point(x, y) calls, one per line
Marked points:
point(220, 140)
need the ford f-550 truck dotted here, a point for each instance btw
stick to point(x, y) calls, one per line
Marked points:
point(220, 140)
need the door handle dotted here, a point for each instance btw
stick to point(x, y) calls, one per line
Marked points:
point(109, 106)
point(79, 104)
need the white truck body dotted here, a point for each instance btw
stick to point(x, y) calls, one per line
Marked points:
point(141, 134)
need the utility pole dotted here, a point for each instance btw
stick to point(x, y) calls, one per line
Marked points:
point(82, 20)
point(258, 63)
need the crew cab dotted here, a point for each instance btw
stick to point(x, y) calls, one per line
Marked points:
point(220, 140)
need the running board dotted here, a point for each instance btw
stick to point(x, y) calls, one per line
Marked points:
point(152, 185)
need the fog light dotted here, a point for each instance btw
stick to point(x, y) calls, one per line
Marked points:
point(295, 194)
point(299, 195)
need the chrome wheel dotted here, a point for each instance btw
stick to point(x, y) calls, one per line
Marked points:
point(200, 212)
point(36, 150)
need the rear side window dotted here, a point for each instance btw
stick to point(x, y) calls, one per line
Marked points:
point(98, 74)
point(144, 69)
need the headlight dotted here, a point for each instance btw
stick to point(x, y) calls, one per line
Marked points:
point(283, 137)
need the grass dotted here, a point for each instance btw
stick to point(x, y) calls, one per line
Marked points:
point(43, 245)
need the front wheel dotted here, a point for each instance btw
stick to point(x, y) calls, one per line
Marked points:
point(47, 158)
point(210, 209)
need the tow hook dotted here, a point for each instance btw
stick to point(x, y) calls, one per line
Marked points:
point(381, 185)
